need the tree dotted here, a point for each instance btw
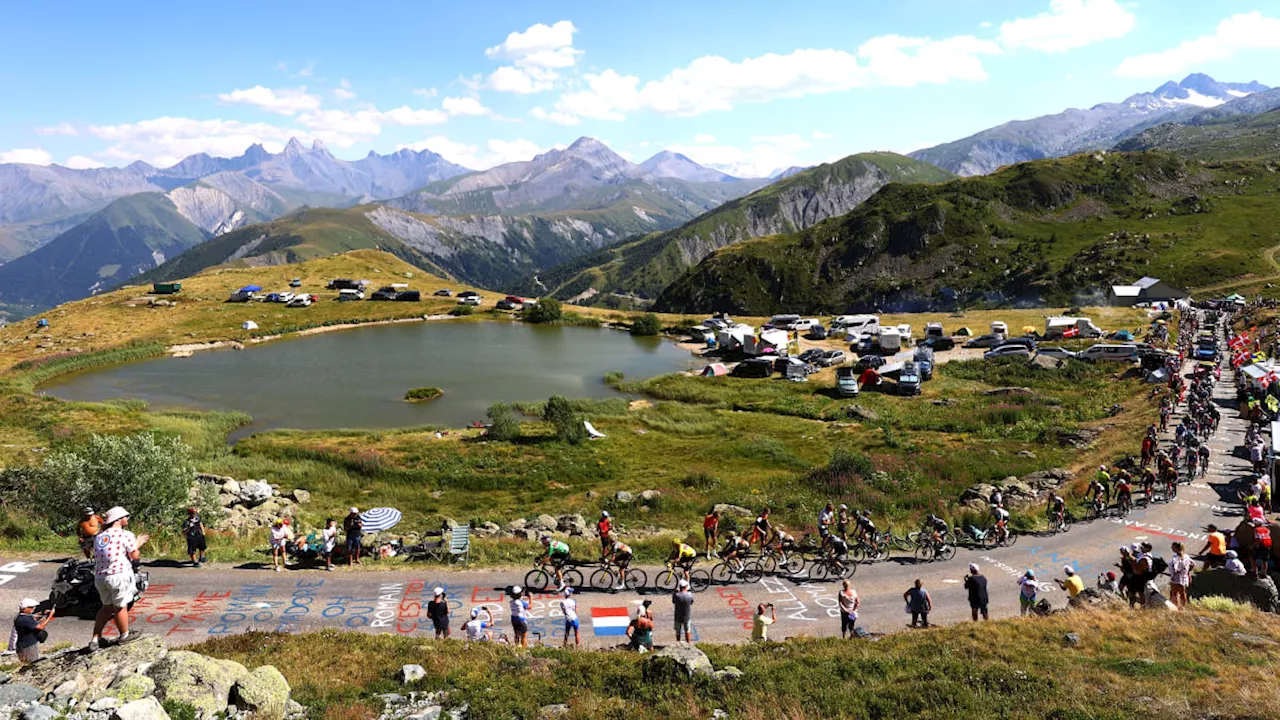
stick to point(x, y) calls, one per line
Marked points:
point(568, 424)
point(547, 310)
point(646, 324)
point(148, 475)
point(502, 423)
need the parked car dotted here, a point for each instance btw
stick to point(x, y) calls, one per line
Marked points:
point(1028, 342)
point(280, 297)
point(1109, 352)
point(817, 332)
point(386, 293)
point(1054, 351)
point(295, 283)
point(830, 358)
point(507, 304)
point(783, 363)
point(1007, 351)
point(989, 340)
point(754, 368)
point(408, 296)
point(468, 293)
point(344, 284)
point(909, 379)
point(847, 381)
point(937, 342)
point(811, 355)
point(873, 362)
point(350, 295)
point(301, 300)
point(443, 292)
point(469, 300)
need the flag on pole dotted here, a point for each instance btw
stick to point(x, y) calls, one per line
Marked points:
point(1071, 332)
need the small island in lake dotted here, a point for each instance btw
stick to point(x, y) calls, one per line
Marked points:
point(423, 394)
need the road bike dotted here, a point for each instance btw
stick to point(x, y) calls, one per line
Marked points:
point(614, 579)
point(542, 577)
point(668, 579)
point(895, 542)
point(994, 537)
point(829, 568)
point(869, 551)
point(747, 572)
point(1059, 522)
point(929, 550)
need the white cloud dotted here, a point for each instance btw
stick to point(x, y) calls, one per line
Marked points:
point(1068, 24)
point(763, 156)
point(31, 156)
point(62, 128)
point(82, 162)
point(559, 118)
point(714, 83)
point(465, 106)
point(166, 140)
point(820, 135)
point(704, 138)
point(343, 91)
point(496, 152)
point(287, 101)
point(535, 56)
point(1244, 31)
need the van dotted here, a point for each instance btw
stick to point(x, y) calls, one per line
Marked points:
point(350, 295)
point(890, 340)
point(933, 329)
point(1000, 327)
point(1112, 353)
point(924, 360)
point(847, 381)
point(909, 379)
point(802, 325)
point(904, 331)
point(1058, 326)
point(782, 321)
point(854, 325)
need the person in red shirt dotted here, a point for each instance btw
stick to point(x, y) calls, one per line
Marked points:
point(1261, 547)
point(603, 528)
point(711, 531)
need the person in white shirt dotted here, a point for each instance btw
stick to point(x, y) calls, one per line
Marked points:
point(330, 536)
point(569, 608)
point(477, 629)
point(520, 615)
point(1234, 566)
point(280, 535)
point(115, 549)
point(1180, 567)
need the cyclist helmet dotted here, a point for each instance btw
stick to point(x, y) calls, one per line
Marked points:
point(676, 542)
point(545, 539)
point(733, 534)
point(567, 591)
point(843, 506)
point(604, 513)
point(1102, 468)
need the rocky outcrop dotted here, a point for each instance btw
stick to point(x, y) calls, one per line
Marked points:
point(680, 659)
point(250, 504)
point(203, 682)
point(1261, 592)
point(1026, 491)
point(144, 709)
point(263, 692)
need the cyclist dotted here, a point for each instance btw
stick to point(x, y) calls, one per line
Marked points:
point(1193, 462)
point(1103, 478)
point(682, 556)
point(761, 529)
point(735, 549)
point(842, 521)
point(1057, 509)
point(937, 529)
point(711, 531)
point(556, 552)
point(619, 556)
point(1001, 518)
point(783, 540)
point(1204, 458)
point(866, 528)
point(1124, 492)
point(1097, 494)
point(1148, 483)
point(837, 551)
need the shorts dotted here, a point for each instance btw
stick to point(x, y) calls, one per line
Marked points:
point(843, 528)
point(353, 542)
point(519, 625)
point(709, 533)
point(823, 531)
point(86, 544)
point(117, 590)
point(570, 625)
point(1026, 602)
point(622, 559)
point(441, 625)
point(196, 544)
point(29, 654)
point(560, 558)
point(683, 628)
point(848, 621)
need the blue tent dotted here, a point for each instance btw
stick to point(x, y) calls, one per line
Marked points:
point(250, 288)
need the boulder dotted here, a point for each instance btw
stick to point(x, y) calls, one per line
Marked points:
point(726, 509)
point(487, 528)
point(255, 492)
point(517, 524)
point(980, 493)
point(859, 412)
point(263, 692)
point(1002, 391)
point(70, 688)
point(623, 497)
point(202, 682)
point(1071, 639)
point(1259, 591)
point(145, 709)
point(38, 712)
point(1047, 479)
point(230, 486)
point(98, 670)
point(649, 496)
point(14, 693)
point(546, 712)
point(302, 497)
point(572, 524)
point(544, 522)
point(410, 673)
point(1026, 454)
point(678, 660)
point(1253, 640)
point(106, 703)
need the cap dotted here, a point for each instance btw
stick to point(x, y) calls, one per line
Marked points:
point(1068, 570)
point(683, 584)
point(566, 590)
point(438, 591)
point(87, 510)
point(475, 611)
point(973, 567)
point(516, 589)
point(28, 603)
point(355, 510)
point(1111, 575)
point(675, 541)
point(1231, 554)
point(114, 514)
point(1031, 573)
point(843, 506)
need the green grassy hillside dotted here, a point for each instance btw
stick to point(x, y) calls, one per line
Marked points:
point(644, 266)
point(128, 236)
point(1230, 138)
point(1054, 231)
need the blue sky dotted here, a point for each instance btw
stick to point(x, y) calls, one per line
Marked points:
point(745, 86)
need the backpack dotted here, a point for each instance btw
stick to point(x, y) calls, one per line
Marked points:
point(1159, 565)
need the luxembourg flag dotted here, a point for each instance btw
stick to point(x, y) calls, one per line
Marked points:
point(610, 620)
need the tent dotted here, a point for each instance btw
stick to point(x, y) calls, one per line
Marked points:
point(592, 432)
point(378, 519)
point(250, 288)
point(964, 332)
point(715, 370)
point(249, 325)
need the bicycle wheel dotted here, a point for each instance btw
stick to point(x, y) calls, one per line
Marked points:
point(572, 577)
point(768, 564)
point(902, 544)
point(924, 553)
point(603, 579)
point(849, 570)
point(946, 552)
point(635, 579)
point(665, 580)
point(721, 574)
point(751, 573)
point(820, 571)
point(794, 565)
point(1010, 539)
point(858, 554)
point(699, 580)
point(914, 537)
point(538, 579)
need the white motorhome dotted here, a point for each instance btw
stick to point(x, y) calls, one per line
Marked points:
point(1109, 352)
point(890, 340)
point(1000, 327)
point(1056, 327)
point(781, 321)
point(767, 341)
point(855, 325)
point(904, 330)
point(933, 329)
point(735, 337)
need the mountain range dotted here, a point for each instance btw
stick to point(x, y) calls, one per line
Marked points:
point(1076, 130)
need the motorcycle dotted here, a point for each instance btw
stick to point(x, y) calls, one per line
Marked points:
point(74, 587)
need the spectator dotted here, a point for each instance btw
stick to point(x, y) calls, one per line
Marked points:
point(1108, 583)
point(280, 535)
point(711, 531)
point(477, 629)
point(919, 604)
point(89, 527)
point(437, 610)
point(353, 526)
point(760, 625)
point(1261, 546)
point(1215, 548)
point(115, 549)
point(603, 528)
point(640, 631)
point(682, 599)
point(976, 583)
point(1180, 568)
point(193, 529)
point(849, 604)
point(569, 609)
point(29, 630)
point(1027, 589)
point(330, 537)
point(1072, 584)
point(1234, 566)
point(519, 604)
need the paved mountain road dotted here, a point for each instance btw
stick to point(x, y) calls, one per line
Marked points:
point(189, 605)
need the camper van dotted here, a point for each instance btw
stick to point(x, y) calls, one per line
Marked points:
point(890, 340)
point(847, 381)
point(1056, 327)
point(1111, 353)
point(904, 331)
point(802, 324)
point(783, 321)
point(909, 379)
point(854, 325)
point(1000, 327)
point(933, 329)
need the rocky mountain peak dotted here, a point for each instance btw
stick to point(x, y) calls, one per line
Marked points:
point(294, 148)
point(317, 146)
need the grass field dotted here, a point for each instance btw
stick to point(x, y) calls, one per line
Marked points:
point(1126, 665)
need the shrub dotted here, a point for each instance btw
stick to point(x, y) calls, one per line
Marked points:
point(423, 393)
point(503, 425)
point(147, 474)
point(845, 469)
point(567, 423)
point(647, 324)
point(461, 310)
point(547, 310)
point(614, 378)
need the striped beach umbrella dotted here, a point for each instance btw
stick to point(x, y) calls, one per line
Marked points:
point(378, 519)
